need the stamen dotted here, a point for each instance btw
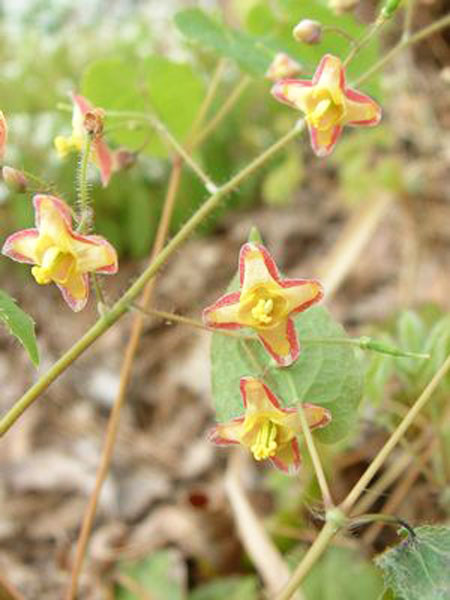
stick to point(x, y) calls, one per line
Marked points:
point(265, 444)
point(261, 311)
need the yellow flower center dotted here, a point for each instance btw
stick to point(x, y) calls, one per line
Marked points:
point(327, 109)
point(262, 310)
point(55, 266)
point(265, 444)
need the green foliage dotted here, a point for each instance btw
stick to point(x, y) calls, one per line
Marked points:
point(250, 53)
point(418, 569)
point(157, 575)
point(232, 588)
point(20, 325)
point(170, 90)
point(325, 374)
point(342, 574)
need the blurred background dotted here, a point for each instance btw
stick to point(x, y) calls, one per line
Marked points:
point(373, 221)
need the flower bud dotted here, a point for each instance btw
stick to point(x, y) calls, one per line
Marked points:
point(3, 134)
point(341, 6)
point(389, 8)
point(123, 159)
point(308, 31)
point(94, 121)
point(283, 66)
point(15, 180)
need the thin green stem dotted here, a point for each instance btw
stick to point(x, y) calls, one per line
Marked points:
point(332, 29)
point(83, 192)
point(319, 546)
point(315, 458)
point(382, 455)
point(404, 43)
point(210, 95)
point(122, 305)
point(408, 19)
point(167, 316)
point(222, 112)
point(359, 44)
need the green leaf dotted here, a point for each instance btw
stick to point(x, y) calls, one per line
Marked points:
point(418, 569)
point(20, 325)
point(251, 54)
point(325, 374)
point(342, 574)
point(244, 588)
point(158, 575)
point(171, 90)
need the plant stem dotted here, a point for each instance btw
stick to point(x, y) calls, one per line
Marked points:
point(210, 95)
point(380, 458)
point(403, 43)
point(222, 112)
point(408, 18)
point(321, 543)
point(167, 316)
point(315, 458)
point(359, 44)
point(83, 193)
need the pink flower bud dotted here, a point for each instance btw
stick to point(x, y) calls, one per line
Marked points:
point(308, 32)
point(3, 134)
point(283, 66)
point(15, 180)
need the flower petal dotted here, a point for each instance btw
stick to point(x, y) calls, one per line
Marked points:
point(257, 397)
point(361, 109)
point(317, 416)
point(103, 158)
point(301, 293)
point(76, 291)
point(323, 142)
point(330, 74)
point(281, 342)
point(223, 314)
point(94, 253)
point(3, 134)
point(256, 267)
point(293, 92)
point(21, 246)
point(288, 459)
point(80, 107)
point(53, 216)
point(224, 434)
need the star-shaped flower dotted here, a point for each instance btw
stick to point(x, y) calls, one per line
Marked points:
point(100, 154)
point(265, 303)
point(267, 429)
point(327, 103)
point(61, 255)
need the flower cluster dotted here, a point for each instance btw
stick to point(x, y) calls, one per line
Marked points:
point(266, 304)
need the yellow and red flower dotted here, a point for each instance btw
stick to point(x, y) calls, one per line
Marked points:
point(3, 134)
point(328, 103)
point(100, 154)
point(61, 255)
point(267, 429)
point(265, 303)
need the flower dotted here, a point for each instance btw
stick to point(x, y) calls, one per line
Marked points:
point(101, 155)
point(327, 103)
point(265, 304)
point(308, 31)
point(267, 429)
point(283, 66)
point(61, 255)
point(3, 134)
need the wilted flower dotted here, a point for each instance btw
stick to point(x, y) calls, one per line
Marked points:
point(87, 120)
point(3, 134)
point(283, 66)
point(265, 303)
point(61, 255)
point(267, 429)
point(327, 103)
point(308, 31)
